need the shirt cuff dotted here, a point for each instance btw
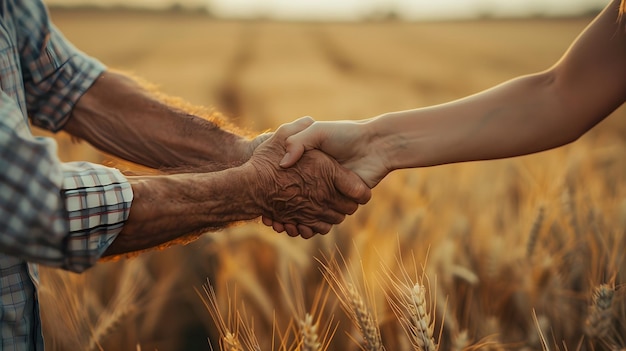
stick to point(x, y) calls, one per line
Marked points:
point(97, 200)
point(60, 77)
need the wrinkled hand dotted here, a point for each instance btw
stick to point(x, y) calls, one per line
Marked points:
point(309, 197)
point(346, 141)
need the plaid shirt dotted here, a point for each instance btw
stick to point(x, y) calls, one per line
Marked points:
point(58, 214)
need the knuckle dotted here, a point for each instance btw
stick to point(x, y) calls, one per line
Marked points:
point(339, 219)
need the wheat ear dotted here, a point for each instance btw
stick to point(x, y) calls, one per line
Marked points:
point(122, 305)
point(364, 320)
point(230, 342)
point(534, 232)
point(354, 305)
point(310, 339)
point(411, 309)
point(421, 326)
point(600, 317)
point(110, 323)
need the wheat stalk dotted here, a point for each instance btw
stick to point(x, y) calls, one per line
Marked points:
point(460, 341)
point(123, 304)
point(363, 318)
point(70, 299)
point(570, 209)
point(542, 337)
point(108, 324)
point(420, 324)
point(235, 325)
point(308, 330)
point(408, 302)
point(534, 232)
point(354, 305)
point(600, 317)
point(230, 342)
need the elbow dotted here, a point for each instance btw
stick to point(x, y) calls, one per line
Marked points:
point(569, 114)
point(547, 81)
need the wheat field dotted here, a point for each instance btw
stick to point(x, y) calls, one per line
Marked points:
point(514, 254)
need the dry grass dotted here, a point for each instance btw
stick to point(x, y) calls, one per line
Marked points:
point(517, 254)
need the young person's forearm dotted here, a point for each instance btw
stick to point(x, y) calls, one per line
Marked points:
point(166, 208)
point(525, 115)
point(519, 117)
point(118, 116)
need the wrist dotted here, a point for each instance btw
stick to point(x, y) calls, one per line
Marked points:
point(244, 148)
point(238, 152)
point(229, 195)
point(382, 141)
point(255, 188)
point(194, 201)
point(166, 209)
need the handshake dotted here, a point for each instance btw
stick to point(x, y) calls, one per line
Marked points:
point(305, 193)
point(301, 179)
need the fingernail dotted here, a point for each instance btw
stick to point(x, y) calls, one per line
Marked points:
point(283, 162)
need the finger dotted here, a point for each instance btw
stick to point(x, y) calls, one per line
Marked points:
point(278, 227)
point(291, 229)
point(344, 205)
point(334, 218)
point(295, 150)
point(330, 215)
point(298, 143)
point(305, 231)
point(352, 186)
point(267, 221)
point(289, 129)
point(321, 227)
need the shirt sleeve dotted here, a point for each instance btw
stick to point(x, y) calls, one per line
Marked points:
point(55, 73)
point(57, 214)
point(97, 200)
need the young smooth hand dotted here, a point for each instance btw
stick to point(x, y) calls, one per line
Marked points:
point(351, 143)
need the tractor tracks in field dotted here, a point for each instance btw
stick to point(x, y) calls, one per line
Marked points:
point(229, 92)
point(343, 61)
point(340, 59)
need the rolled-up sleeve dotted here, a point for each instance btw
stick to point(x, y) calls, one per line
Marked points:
point(57, 214)
point(97, 200)
point(55, 73)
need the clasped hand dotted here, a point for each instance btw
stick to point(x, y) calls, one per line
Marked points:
point(308, 197)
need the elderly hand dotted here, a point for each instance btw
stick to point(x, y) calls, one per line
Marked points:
point(309, 197)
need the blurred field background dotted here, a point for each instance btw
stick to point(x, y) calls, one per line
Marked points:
point(507, 250)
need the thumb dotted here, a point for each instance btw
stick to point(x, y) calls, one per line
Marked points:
point(306, 139)
point(352, 186)
point(287, 131)
point(295, 148)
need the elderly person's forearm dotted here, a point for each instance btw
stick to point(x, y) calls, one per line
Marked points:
point(175, 207)
point(120, 117)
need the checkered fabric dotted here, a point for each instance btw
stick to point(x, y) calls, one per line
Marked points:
point(59, 214)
